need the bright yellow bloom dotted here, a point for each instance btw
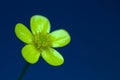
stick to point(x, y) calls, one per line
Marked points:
point(40, 42)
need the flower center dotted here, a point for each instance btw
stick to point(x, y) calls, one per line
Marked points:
point(42, 40)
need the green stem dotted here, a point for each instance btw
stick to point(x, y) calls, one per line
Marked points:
point(24, 71)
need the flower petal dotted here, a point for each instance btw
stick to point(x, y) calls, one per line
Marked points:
point(60, 38)
point(39, 23)
point(30, 54)
point(23, 33)
point(52, 57)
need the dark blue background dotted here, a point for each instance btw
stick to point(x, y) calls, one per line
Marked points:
point(94, 51)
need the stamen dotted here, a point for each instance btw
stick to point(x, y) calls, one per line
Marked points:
point(42, 40)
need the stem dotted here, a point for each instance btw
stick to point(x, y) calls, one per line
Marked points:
point(24, 71)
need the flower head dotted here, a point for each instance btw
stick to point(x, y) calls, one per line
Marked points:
point(40, 42)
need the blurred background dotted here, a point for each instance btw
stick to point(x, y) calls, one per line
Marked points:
point(94, 51)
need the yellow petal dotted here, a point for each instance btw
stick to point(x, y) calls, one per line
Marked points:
point(60, 38)
point(30, 54)
point(23, 33)
point(52, 57)
point(39, 23)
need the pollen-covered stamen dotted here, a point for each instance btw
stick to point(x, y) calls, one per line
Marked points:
point(42, 40)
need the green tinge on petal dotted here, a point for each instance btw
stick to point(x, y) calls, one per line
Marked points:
point(52, 57)
point(23, 33)
point(30, 54)
point(60, 38)
point(39, 23)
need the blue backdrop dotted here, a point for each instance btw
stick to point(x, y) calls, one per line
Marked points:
point(94, 51)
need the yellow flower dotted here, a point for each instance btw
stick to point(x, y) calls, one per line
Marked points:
point(41, 42)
